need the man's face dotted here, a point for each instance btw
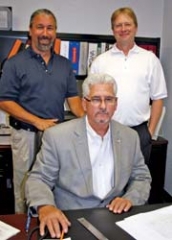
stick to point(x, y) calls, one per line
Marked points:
point(102, 105)
point(124, 29)
point(42, 32)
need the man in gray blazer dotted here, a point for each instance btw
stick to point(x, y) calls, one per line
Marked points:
point(88, 162)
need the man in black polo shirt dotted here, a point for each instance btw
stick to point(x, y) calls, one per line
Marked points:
point(33, 87)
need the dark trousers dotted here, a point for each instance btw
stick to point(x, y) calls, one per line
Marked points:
point(145, 140)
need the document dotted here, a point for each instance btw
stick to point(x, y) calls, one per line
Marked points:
point(153, 225)
point(7, 231)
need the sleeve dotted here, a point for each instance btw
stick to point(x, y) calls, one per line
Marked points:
point(138, 187)
point(44, 174)
point(158, 89)
point(9, 82)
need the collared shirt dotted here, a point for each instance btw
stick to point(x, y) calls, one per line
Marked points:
point(102, 161)
point(139, 77)
point(38, 87)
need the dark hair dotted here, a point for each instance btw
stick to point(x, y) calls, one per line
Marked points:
point(42, 11)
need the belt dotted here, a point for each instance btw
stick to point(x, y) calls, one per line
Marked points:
point(17, 124)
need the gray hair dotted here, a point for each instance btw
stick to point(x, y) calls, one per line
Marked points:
point(98, 78)
point(42, 11)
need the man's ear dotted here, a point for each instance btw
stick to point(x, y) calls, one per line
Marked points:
point(116, 103)
point(84, 104)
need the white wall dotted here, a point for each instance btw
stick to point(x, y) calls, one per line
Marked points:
point(89, 16)
point(166, 58)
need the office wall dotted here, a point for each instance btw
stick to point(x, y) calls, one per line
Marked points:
point(166, 58)
point(89, 16)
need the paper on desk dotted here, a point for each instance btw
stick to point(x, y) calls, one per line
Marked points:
point(154, 225)
point(7, 231)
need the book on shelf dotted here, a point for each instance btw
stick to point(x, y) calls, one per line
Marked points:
point(57, 43)
point(92, 53)
point(74, 48)
point(110, 45)
point(17, 46)
point(149, 47)
point(64, 48)
point(99, 48)
point(103, 47)
point(83, 56)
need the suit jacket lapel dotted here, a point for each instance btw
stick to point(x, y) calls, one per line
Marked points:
point(83, 158)
point(116, 144)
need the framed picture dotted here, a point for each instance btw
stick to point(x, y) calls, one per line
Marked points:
point(5, 18)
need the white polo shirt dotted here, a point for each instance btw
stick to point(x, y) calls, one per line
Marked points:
point(139, 77)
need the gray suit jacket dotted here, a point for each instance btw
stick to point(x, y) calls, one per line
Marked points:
point(62, 173)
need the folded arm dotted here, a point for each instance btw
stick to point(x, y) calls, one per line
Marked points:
point(21, 114)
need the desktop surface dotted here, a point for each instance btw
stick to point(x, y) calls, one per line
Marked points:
point(104, 221)
point(101, 218)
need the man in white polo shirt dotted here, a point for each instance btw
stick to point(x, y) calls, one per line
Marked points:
point(139, 76)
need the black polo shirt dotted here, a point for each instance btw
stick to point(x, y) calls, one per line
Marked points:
point(38, 87)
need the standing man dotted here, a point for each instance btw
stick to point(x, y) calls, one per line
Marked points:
point(139, 76)
point(90, 162)
point(33, 87)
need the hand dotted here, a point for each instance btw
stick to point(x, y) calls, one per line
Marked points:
point(54, 219)
point(43, 124)
point(119, 205)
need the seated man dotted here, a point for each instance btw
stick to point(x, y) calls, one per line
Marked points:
point(88, 162)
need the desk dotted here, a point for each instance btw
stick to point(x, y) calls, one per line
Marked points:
point(100, 218)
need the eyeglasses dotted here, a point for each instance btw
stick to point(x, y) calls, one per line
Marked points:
point(96, 101)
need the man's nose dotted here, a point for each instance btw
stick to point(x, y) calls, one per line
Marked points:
point(123, 27)
point(45, 31)
point(103, 103)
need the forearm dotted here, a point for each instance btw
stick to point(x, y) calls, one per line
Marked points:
point(75, 106)
point(21, 114)
point(156, 110)
point(15, 110)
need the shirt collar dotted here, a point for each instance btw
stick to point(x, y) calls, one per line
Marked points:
point(135, 49)
point(34, 54)
point(93, 134)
